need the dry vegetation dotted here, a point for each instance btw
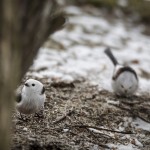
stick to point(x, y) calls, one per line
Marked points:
point(70, 110)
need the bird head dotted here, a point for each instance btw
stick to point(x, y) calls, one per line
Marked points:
point(34, 86)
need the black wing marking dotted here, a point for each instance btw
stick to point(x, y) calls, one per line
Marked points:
point(18, 98)
point(123, 69)
point(43, 90)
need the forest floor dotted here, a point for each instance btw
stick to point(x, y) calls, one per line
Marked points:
point(81, 111)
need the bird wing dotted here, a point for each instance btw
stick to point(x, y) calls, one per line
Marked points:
point(43, 90)
point(18, 98)
point(18, 94)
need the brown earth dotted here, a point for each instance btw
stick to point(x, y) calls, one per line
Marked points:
point(70, 110)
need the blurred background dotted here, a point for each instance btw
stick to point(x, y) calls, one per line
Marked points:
point(75, 53)
point(141, 7)
point(91, 26)
point(138, 9)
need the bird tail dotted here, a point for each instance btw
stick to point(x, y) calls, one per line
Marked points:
point(111, 56)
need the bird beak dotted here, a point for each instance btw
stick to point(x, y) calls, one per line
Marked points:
point(26, 84)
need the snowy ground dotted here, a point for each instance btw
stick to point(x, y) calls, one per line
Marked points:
point(82, 42)
point(76, 53)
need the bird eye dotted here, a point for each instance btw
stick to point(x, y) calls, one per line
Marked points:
point(33, 84)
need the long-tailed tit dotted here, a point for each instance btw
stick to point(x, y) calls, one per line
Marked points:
point(31, 98)
point(124, 80)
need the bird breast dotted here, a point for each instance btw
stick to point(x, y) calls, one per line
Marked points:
point(30, 104)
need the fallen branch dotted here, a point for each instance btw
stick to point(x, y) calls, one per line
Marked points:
point(131, 103)
point(132, 112)
point(101, 145)
point(98, 128)
point(101, 134)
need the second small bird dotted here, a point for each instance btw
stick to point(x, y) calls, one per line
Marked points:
point(124, 80)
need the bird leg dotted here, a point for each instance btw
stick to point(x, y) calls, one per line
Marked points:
point(22, 118)
point(39, 114)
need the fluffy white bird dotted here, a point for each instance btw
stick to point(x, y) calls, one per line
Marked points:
point(124, 80)
point(31, 98)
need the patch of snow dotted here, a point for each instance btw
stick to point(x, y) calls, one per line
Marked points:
point(138, 143)
point(25, 129)
point(127, 136)
point(65, 130)
point(123, 147)
point(73, 10)
point(95, 147)
point(127, 147)
point(86, 59)
point(141, 124)
point(112, 102)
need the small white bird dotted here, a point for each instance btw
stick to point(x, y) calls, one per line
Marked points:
point(124, 81)
point(31, 98)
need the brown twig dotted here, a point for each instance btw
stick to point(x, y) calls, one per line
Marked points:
point(101, 145)
point(104, 135)
point(98, 128)
point(63, 117)
point(131, 103)
point(131, 111)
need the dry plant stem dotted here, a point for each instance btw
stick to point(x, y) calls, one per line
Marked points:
point(97, 143)
point(130, 103)
point(104, 135)
point(93, 134)
point(63, 117)
point(87, 128)
point(101, 134)
point(132, 112)
point(97, 128)
point(101, 145)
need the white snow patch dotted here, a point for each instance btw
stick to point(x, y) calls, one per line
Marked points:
point(127, 147)
point(138, 143)
point(123, 147)
point(85, 43)
point(113, 102)
point(123, 3)
point(141, 124)
point(65, 130)
point(73, 10)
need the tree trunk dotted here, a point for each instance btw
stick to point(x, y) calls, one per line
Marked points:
point(24, 26)
point(9, 67)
